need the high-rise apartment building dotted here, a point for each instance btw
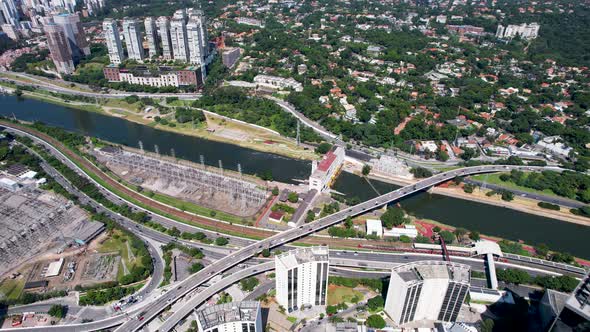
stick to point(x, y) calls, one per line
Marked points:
point(178, 36)
point(195, 40)
point(10, 31)
point(163, 25)
point(113, 39)
point(59, 48)
point(8, 12)
point(72, 27)
point(133, 39)
point(427, 290)
point(302, 277)
point(152, 37)
point(242, 316)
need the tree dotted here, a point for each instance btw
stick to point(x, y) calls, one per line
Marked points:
point(174, 232)
point(275, 191)
point(266, 175)
point(196, 267)
point(221, 241)
point(474, 235)
point(421, 172)
point(248, 284)
point(58, 311)
point(266, 252)
point(348, 223)
point(542, 250)
point(323, 148)
point(394, 216)
point(376, 303)
point(376, 321)
point(447, 236)
point(507, 195)
point(331, 310)
point(293, 197)
point(487, 325)
point(436, 229)
point(366, 170)
point(460, 232)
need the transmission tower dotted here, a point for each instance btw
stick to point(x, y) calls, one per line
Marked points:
point(240, 169)
point(202, 158)
point(221, 166)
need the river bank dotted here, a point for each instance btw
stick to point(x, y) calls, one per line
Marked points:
point(519, 203)
point(217, 128)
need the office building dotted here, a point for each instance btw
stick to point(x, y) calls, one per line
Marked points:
point(163, 25)
point(230, 57)
point(195, 40)
point(133, 39)
point(113, 39)
point(8, 12)
point(59, 48)
point(152, 37)
point(242, 316)
point(427, 291)
point(324, 172)
point(575, 309)
point(178, 36)
point(302, 277)
point(276, 82)
point(72, 27)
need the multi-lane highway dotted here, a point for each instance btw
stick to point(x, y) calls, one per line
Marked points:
point(280, 239)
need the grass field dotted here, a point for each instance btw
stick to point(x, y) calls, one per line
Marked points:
point(12, 289)
point(339, 294)
point(117, 242)
point(495, 179)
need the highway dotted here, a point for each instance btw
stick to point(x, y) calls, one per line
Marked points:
point(197, 279)
point(279, 239)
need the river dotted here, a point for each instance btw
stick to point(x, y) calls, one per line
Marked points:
point(129, 133)
point(487, 219)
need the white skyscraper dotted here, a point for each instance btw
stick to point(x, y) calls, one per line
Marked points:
point(302, 277)
point(8, 12)
point(427, 290)
point(242, 316)
point(164, 33)
point(152, 36)
point(178, 36)
point(133, 39)
point(111, 34)
point(195, 40)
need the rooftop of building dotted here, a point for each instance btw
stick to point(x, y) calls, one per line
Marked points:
point(423, 270)
point(295, 257)
point(245, 311)
point(579, 302)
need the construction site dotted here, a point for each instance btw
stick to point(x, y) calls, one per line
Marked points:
point(213, 188)
point(34, 222)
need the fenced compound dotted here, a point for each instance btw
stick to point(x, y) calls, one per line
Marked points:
point(194, 181)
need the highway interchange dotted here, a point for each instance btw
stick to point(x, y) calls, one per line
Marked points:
point(249, 248)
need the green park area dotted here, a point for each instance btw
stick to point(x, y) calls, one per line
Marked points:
point(339, 294)
point(11, 289)
point(496, 180)
point(119, 242)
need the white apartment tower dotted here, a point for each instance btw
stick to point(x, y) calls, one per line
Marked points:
point(8, 12)
point(163, 25)
point(195, 40)
point(113, 39)
point(427, 290)
point(133, 39)
point(242, 316)
point(302, 277)
point(178, 36)
point(152, 37)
